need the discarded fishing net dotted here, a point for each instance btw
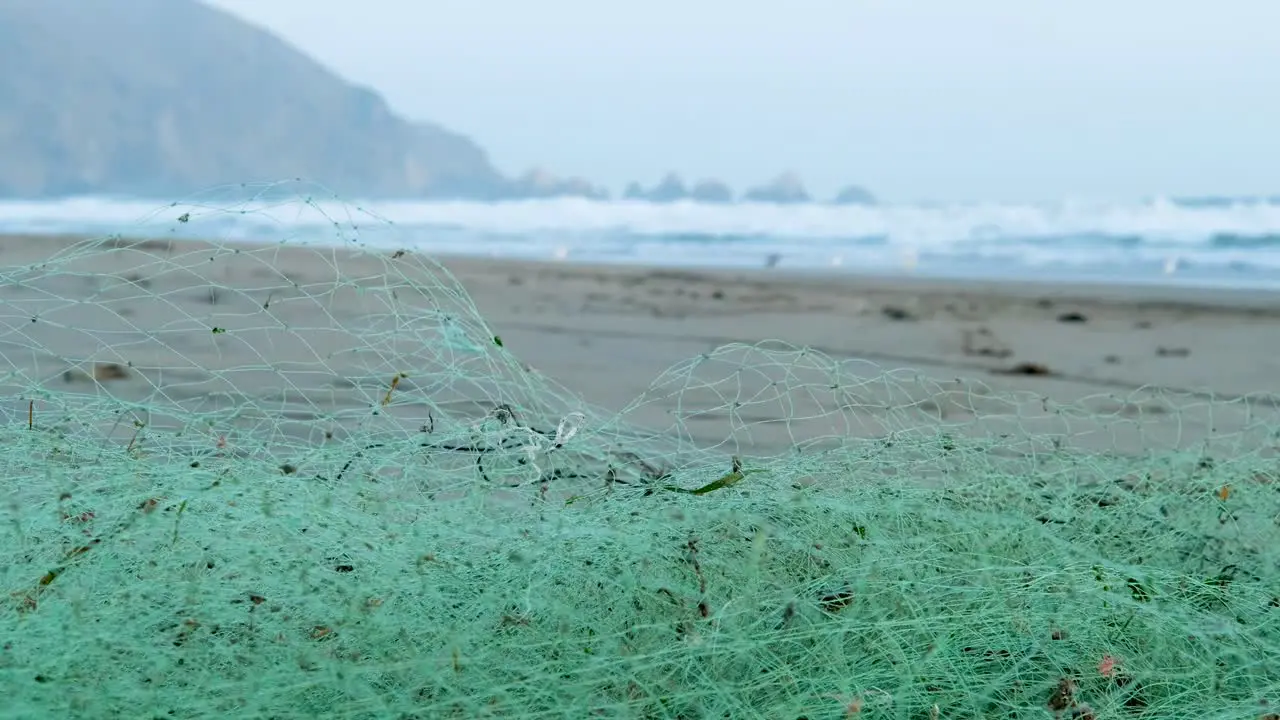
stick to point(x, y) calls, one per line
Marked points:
point(285, 481)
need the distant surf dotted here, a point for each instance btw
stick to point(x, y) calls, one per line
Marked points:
point(1229, 242)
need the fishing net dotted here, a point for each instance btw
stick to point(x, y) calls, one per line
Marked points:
point(288, 480)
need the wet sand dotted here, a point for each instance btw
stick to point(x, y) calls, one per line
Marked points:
point(313, 338)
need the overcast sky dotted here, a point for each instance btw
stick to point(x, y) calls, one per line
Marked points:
point(916, 99)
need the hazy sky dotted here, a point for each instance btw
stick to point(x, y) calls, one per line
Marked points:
point(916, 99)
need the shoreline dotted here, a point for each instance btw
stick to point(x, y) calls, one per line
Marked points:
point(1155, 291)
point(1148, 243)
point(1147, 294)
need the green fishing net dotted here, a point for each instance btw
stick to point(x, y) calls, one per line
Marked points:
point(289, 481)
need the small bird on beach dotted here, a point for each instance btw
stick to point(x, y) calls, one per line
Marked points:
point(910, 259)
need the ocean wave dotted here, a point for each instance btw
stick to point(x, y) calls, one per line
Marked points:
point(1228, 235)
point(1235, 240)
point(1161, 221)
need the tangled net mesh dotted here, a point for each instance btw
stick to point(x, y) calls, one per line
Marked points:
point(284, 481)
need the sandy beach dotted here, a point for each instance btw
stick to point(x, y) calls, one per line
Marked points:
point(299, 329)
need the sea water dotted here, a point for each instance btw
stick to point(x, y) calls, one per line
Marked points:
point(1217, 242)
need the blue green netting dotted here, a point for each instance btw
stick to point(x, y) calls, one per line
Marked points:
point(284, 481)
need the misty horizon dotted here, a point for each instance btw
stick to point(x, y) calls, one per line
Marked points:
point(929, 102)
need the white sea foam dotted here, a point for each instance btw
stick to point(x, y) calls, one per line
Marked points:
point(1241, 237)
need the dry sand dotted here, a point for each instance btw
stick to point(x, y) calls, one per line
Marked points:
point(207, 327)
